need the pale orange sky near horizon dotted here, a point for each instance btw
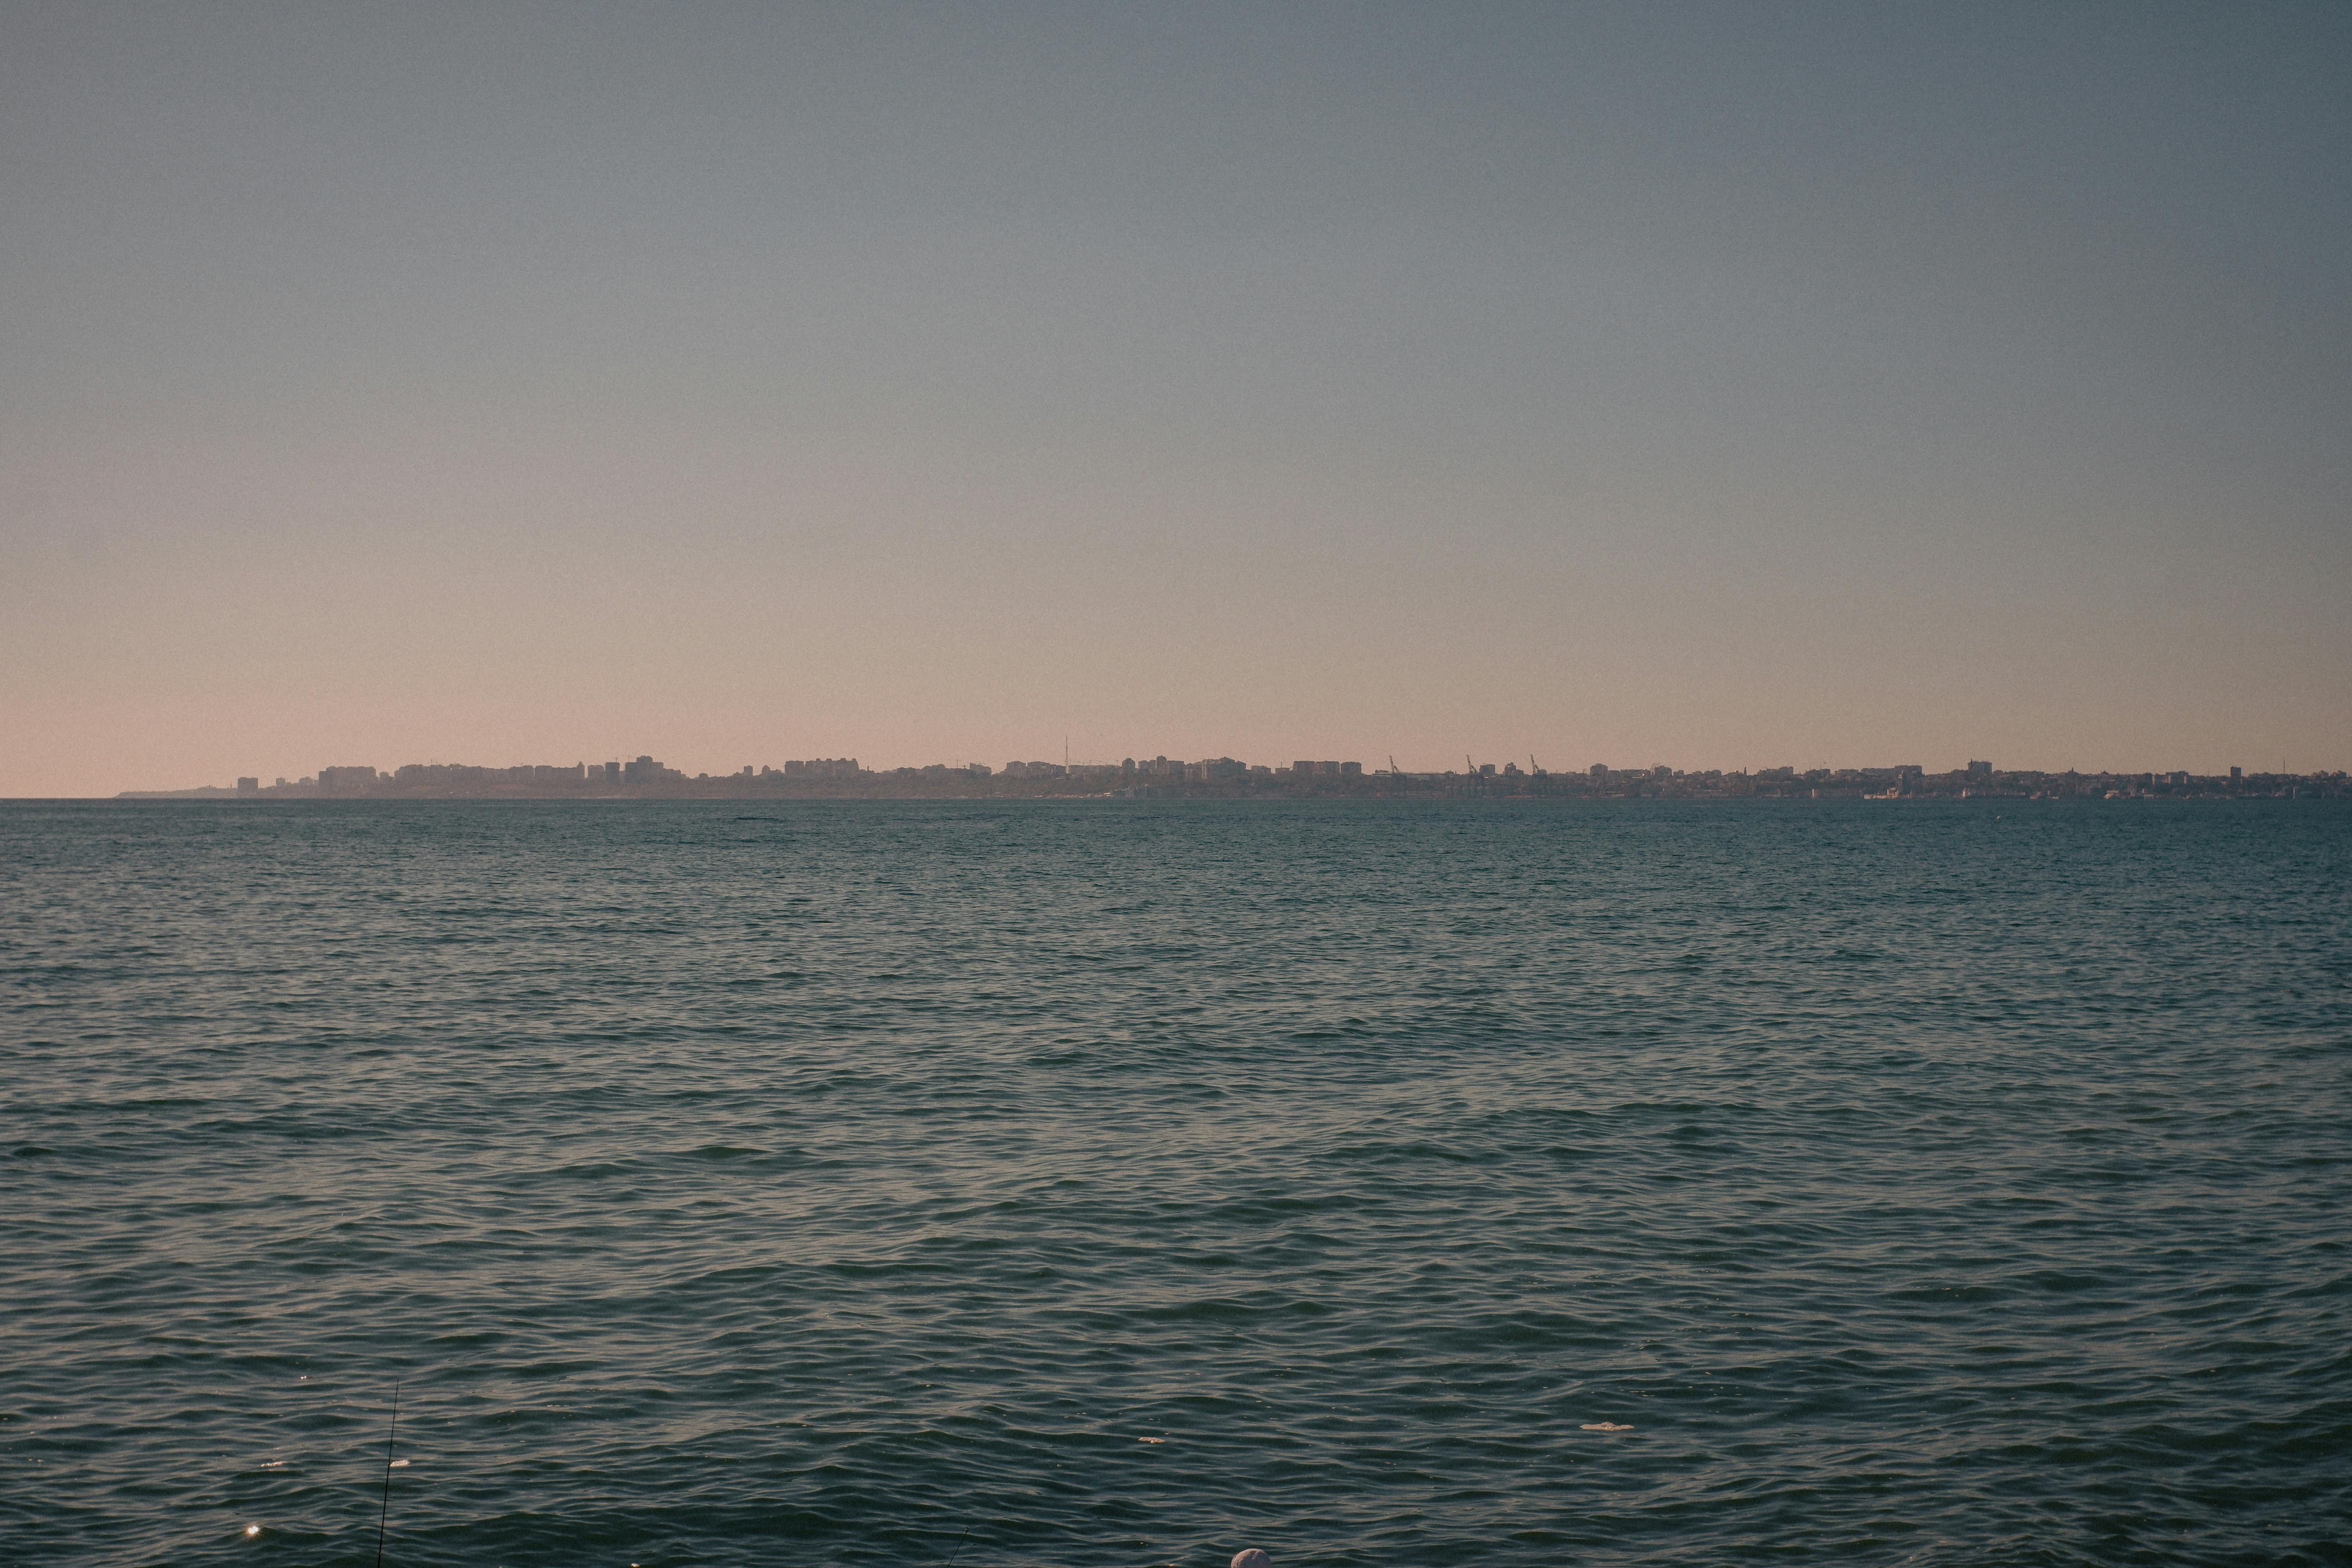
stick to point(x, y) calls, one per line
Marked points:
point(1830, 388)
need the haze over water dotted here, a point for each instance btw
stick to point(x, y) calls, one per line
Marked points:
point(1128, 1183)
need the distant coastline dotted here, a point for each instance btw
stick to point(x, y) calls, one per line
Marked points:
point(840, 778)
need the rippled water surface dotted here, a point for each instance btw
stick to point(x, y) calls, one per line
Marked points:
point(1128, 1183)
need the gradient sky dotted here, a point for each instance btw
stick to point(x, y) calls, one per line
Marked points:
point(1721, 386)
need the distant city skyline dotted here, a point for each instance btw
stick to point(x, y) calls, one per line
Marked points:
point(624, 770)
point(648, 775)
point(1717, 385)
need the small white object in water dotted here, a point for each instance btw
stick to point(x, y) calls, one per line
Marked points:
point(1151, 1439)
point(400, 1464)
point(1604, 1426)
point(1251, 1557)
point(253, 1530)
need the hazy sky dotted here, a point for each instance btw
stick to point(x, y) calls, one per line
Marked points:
point(1711, 385)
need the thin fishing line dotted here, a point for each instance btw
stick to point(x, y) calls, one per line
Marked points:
point(388, 1438)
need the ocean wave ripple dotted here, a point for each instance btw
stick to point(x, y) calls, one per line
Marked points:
point(1126, 1183)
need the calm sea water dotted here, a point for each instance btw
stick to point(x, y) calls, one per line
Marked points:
point(1131, 1182)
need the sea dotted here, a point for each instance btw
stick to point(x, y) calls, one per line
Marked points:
point(1133, 1183)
